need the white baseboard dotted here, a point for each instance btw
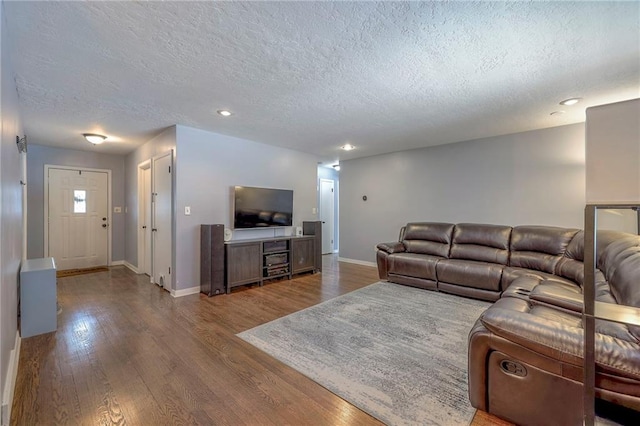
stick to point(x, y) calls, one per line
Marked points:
point(10, 381)
point(130, 266)
point(357, 262)
point(125, 263)
point(185, 291)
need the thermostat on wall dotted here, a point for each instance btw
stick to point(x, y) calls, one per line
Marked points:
point(228, 234)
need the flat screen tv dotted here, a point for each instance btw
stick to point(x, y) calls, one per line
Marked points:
point(262, 207)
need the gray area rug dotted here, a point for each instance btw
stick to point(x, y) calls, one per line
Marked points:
point(396, 352)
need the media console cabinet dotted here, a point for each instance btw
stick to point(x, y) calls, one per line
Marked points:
point(254, 261)
point(224, 265)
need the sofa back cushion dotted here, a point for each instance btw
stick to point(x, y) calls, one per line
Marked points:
point(571, 265)
point(485, 243)
point(620, 264)
point(428, 238)
point(539, 247)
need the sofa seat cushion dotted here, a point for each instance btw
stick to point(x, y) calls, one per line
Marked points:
point(413, 265)
point(511, 274)
point(559, 336)
point(469, 273)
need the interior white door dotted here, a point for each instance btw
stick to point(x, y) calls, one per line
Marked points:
point(78, 213)
point(145, 215)
point(161, 239)
point(327, 197)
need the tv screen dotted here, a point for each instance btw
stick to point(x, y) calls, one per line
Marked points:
point(262, 207)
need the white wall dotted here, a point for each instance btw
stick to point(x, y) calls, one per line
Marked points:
point(613, 152)
point(160, 144)
point(535, 177)
point(11, 221)
point(37, 157)
point(208, 166)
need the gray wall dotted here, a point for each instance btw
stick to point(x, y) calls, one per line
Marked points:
point(332, 174)
point(535, 177)
point(37, 157)
point(11, 209)
point(160, 144)
point(208, 166)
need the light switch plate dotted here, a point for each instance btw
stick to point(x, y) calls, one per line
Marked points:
point(187, 210)
point(117, 209)
point(314, 210)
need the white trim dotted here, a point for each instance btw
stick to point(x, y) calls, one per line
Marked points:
point(10, 381)
point(46, 204)
point(124, 263)
point(357, 262)
point(185, 291)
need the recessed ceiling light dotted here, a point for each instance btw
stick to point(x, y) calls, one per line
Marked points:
point(348, 147)
point(557, 113)
point(224, 112)
point(94, 138)
point(570, 101)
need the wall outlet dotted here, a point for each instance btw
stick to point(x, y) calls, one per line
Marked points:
point(187, 210)
point(117, 209)
point(314, 210)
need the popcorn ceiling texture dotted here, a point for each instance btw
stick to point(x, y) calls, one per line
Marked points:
point(314, 75)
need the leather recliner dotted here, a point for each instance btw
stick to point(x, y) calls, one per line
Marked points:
point(525, 351)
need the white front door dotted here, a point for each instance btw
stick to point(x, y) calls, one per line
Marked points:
point(327, 214)
point(161, 220)
point(78, 218)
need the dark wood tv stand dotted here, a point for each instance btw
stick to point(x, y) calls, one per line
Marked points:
point(257, 260)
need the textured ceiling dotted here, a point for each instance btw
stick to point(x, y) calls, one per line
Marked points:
point(312, 76)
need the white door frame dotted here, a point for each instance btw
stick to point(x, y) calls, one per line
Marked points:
point(145, 165)
point(46, 204)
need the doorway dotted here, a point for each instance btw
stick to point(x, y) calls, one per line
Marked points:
point(77, 217)
point(144, 217)
point(327, 213)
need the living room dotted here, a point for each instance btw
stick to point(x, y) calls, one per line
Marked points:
point(505, 163)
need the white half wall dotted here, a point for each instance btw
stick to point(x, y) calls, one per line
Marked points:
point(535, 177)
point(163, 142)
point(208, 166)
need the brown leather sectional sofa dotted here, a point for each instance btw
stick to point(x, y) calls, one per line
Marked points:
point(525, 351)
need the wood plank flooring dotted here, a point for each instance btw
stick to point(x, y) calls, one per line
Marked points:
point(126, 352)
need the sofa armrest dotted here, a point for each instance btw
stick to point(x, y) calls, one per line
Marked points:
point(393, 247)
point(557, 295)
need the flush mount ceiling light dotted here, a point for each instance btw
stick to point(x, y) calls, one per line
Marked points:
point(224, 112)
point(337, 167)
point(557, 113)
point(348, 147)
point(570, 101)
point(94, 138)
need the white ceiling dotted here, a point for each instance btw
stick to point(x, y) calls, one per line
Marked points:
point(312, 76)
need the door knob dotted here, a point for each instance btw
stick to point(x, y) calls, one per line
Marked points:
point(104, 225)
point(104, 218)
point(154, 230)
point(144, 227)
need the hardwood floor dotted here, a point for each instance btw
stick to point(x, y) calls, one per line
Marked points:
point(126, 352)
